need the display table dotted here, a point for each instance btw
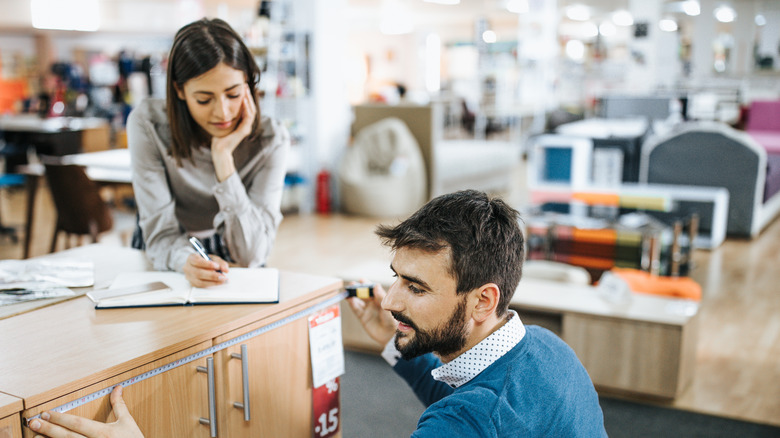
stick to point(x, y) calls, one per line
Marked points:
point(60, 353)
point(56, 135)
point(645, 344)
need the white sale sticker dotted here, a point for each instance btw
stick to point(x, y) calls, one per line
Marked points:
point(327, 349)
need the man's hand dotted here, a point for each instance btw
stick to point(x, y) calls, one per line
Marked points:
point(203, 273)
point(378, 323)
point(57, 425)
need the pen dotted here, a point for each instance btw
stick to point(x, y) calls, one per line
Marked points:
point(200, 249)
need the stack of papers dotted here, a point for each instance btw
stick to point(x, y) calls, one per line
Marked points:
point(25, 280)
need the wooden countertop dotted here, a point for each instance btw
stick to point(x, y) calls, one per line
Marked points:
point(57, 349)
point(10, 405)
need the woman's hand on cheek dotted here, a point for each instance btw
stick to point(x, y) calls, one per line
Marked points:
point(222, 147)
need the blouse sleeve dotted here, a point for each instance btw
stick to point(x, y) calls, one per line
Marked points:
point(166, 243)
point(250, 215)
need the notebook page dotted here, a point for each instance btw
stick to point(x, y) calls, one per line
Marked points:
point(244, 285)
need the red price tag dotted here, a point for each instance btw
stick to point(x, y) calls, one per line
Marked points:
point(327, 409)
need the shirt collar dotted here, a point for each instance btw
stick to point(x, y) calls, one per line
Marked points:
point(468, 365)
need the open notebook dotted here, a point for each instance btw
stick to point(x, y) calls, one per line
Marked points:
point(152, 288)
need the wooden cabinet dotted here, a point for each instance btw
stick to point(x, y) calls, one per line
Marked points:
point(44, 365)
point(10, 421)
point(279, 383)
point(166, 404)
point(10, 427)
point(647, 358)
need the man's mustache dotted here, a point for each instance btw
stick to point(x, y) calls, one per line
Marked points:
point(402, 319)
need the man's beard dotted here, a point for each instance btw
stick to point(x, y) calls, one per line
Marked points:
point(444, 340)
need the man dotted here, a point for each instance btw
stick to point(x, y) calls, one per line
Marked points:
point(470, 360)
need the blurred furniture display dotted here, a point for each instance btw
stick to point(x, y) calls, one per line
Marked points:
point(555, 271)
point(713, 154)
point(714, 104)
point(80, 209)
point(109, 166)
point(639, 106)
point(663, 202)
point(642, 344)
point(763, 125)
point(451, 165)
point(564, 161)
point(56, 135)
point(600, 240)
point(10, 181)
point(104, 167)
point(617, 145)
point(383, 172)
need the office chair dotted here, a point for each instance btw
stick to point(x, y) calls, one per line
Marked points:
point(80, 209)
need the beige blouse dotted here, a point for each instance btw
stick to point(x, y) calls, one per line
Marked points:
point(175, 202)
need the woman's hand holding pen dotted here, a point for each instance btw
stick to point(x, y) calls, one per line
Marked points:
point(222, 147)
point(203, 273)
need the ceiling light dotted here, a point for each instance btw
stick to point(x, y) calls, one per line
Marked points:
point(590, 30)
point(396, 19)
point(73, 15)
point(575, 50)
point(667, 25)
point(691, 7)
point(578, 12)
point(725, 14)
point(489, 36)
point(622, 18)
point(607, 29)
point(517, 6)
point(760, 20)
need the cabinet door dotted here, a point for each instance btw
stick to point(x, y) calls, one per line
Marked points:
point(165, 405)
point(11, 427)
point(279, 384)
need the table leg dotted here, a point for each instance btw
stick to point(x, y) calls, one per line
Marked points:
point(32, 190)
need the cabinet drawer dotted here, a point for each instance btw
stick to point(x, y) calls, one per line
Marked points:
point(167, 404)
point(11, 427)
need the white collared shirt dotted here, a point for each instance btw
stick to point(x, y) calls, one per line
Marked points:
point(472, 362)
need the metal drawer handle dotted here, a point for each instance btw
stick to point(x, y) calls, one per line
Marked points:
point(212, 420)
point(245, 380)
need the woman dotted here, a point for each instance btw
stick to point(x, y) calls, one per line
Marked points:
point(204, 163)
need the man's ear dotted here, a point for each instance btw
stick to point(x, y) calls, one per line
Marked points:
point(487, 297)
point(179, 91)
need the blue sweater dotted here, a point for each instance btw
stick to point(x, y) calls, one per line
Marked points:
point(539, 388)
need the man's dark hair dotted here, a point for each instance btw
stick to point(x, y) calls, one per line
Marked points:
point(483, 235)
point(197, 48)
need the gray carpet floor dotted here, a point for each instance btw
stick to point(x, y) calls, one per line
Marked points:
point(376, 403)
